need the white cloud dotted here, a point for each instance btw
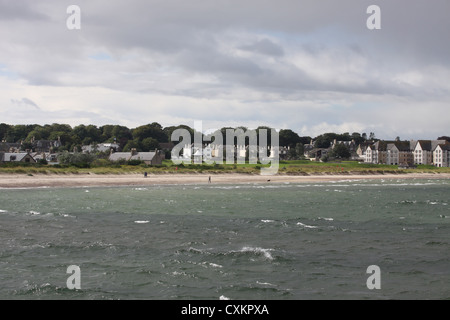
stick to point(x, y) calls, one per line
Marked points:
point(308, 66)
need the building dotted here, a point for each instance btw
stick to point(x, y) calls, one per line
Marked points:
point(423, 151)
point(316, 154)
point(101, 147)
point(390, 152)
point(9, 147)
point(361, 150)
point(441, 155)
point(154, 158)
point(24, 157)
point(51, 158)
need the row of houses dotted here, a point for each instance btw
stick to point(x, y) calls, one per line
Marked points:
point(28, 157)
point(151, 158)
point(39, 146)
point(408, 153)
point(401, 153)
point(218, 151)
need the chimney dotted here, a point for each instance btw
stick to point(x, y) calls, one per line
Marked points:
point(133, 152)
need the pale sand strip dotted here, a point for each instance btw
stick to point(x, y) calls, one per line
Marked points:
point(80, 180)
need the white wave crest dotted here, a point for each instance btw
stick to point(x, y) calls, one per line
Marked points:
point(327, 219)
point(265, 252)
point(305, 225)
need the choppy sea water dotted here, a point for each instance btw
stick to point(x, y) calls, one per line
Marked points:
point(246, 241)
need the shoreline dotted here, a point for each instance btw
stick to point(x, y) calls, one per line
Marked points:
point(12, 181)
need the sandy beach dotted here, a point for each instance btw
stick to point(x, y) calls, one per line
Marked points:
point(92, 180)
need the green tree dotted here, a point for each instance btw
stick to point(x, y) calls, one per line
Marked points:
point(340, 151)
point(149, 144)
point(132, 144)
point(78, 159)
point(18, 132)
point(153, 130)
point(288, 138)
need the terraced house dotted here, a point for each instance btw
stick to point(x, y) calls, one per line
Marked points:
point(441, 155)
point(408, 153)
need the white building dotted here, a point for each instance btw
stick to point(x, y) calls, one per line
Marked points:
point(441, 155)
point(101, 147)
point(423, 151)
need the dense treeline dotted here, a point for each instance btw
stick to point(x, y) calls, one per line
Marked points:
point(145, 137)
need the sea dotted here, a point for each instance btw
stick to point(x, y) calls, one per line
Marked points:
point(342, 240)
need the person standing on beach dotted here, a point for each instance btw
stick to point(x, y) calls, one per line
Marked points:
point(209, 179)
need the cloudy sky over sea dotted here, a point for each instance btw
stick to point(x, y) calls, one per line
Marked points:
point(312, 66)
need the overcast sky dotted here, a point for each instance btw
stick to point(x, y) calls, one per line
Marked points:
point(311, 66)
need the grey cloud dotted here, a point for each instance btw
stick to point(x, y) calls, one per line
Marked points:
point(26, 102)
point(264, 46)
point(17, 10)
point(235, 48)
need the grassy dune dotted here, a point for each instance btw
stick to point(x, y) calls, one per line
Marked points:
point(294, 167)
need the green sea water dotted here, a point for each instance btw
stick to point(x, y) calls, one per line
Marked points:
point(242, 241)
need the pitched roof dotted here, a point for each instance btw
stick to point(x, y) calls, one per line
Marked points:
point(116, 156)
point(424, 144)
point(16, 156)
point(443, 146)
point(429, 145)
point(403, 145)
point(143, 156)
point(6, 146)
point(388, 145)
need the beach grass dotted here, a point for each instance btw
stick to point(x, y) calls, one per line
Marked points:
point(291, 167)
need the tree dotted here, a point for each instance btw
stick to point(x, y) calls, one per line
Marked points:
point(18, 132)
point(169, 130)
point(446, 138)
point(340, 151)
point(149, 144)
point(324, 140)
point(3, 130)
point(153, 130)
point(81, 160)
point(297, 152)
point(358, 138)
point(288, 138)
point(131, 144)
